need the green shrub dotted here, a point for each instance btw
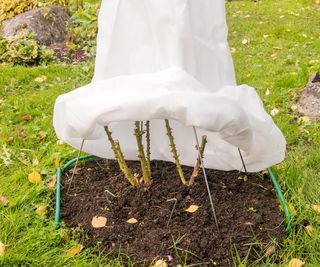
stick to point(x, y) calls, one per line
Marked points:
point(11, 8)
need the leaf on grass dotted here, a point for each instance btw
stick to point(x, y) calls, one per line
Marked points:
point(316, 208)
point(294, 107)
point(35, 162)
point(233, 50)
point(99, 222)
point(296, 263)
point(267, 92)
point(74, 251)
point(52, 183)
point(309, 230)
point(270, 250)
point(132, 221)
point(292, 209)
point(41, 79)
point(35, 178)
point(4, 201)
point(192, 208)
point(56, 162)
point(274, 112)
point(41, 210)
point(2, 249)
point(244, 41)
point(160, 263)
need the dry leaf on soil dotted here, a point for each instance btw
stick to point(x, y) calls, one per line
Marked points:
point(192, 208)
point(74, 251)
point(132, 221)
point(270, 250)
point(4, 201)
point(160, 263)
point(99, 222)
point(35, 178)
point(41, 210)
point(316, 208)
point(296, 263)
point(2, 248)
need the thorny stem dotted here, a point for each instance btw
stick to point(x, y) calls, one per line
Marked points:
point(148, 150)
point(144, 166)
point(174, 152)
point(120, 159)
point(196, 168)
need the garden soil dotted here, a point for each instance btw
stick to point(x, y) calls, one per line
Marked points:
point(247, 210)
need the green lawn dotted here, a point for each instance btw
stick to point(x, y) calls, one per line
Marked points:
point(276, 46)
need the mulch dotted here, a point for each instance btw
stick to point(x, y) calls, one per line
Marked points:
point(246, 206)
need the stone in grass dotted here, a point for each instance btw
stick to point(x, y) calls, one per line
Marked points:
point(309, 102)
point(48, 24)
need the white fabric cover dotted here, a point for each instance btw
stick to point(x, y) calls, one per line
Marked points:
point(169, 59)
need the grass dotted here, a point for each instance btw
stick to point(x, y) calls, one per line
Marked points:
point(276, 47)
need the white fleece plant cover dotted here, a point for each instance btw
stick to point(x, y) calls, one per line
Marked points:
point(169, 59)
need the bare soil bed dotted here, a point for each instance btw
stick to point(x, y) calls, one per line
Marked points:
point(247, 210)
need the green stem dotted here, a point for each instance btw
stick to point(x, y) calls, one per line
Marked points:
point(144, 166)
point(120, 159)
point(174, 152)
point(196, 168)
point(148, 150)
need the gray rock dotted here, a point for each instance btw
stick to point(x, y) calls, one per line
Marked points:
point(309, 102)
point(48, 24)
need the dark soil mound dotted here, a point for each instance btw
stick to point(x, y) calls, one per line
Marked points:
point(247, 210)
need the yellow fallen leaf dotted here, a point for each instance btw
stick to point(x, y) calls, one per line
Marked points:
point(41, 210)
point(132, 221)
point(4, 201)
point(305, 119)
point(267, 92)
point(35, 162)
point(2, 249)
point(35, 178)
point(52, 183)
point(233, 50)
point(99, 222)
point(309, 230)
point(316, 208)
point(56, 162)
point(244, 41)
point(160, 263)
point(292, 209)
point(192, 208)
point(60, 142)
point(41, 79)
point(296, 263)
point(74, 251)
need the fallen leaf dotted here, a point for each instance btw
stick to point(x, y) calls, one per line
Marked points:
point(41, 79)
point(99, 222)
point(316, 208)
point(35, 178)
point(233, 50)
point(244, 41)
point(132, 221)
point(60, 142)
point(192, 208)
point(35, 162)
point(4, 201)
point(41, 210)
point(160, 263)
point(309, 230)
point(305, 119)
point(74, 251)
point(270, 250)
point(10, 139)
point(26, 118)
point(292, 209)
point(52, 183)
point(2, 248)
point(294, 107)
point(296, 263)
point(56, 162)
point(248, 223)
point(267, 92)
point(274, 112)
